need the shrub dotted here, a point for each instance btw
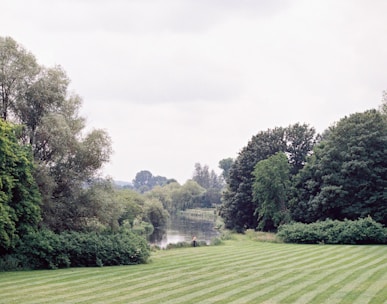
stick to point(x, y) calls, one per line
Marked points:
point(9, 262)
point(47, 250)
point(361, 231)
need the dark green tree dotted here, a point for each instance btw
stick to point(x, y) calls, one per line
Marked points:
point(19, 196)
point(346, 177)
point(238, 209)
point(270, 192)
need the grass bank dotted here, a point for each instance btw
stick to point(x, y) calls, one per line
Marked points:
point(242, 270)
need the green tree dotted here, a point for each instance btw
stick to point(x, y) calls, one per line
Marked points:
point(145, 181)
point(65, 157)
point(187, 196)
point(270, 191)
point(346, 177)
point(226, 164)
point(238, 209)
point(211, 182)
point(18, 69)
point(202, 175)
point(131, 204)
point(19, 196)
point(383, 106)
point(155, 214)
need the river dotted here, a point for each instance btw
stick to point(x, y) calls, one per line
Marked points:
point(183, 228)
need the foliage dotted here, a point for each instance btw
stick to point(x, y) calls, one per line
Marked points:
point(226, 164)
point(155, 214)
point(187, 196)
point(131, 204)
point(175, 197)
point(65, 158)
point(46, 250)
point(210, 181)
point(19, 196)
point(270, 191)
point(346, 177)
point(238, 207)
point(361, 231)
point(18, 69)
point(145, 181)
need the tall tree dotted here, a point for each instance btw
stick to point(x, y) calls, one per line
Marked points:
point(226, 164)
point(238, 210)
point(65, 157)
point(210, 181)
point(346, 177)
point(145, 181)
point(18, 69)
point(19, 196)
point(202, 175)
point(270, 191)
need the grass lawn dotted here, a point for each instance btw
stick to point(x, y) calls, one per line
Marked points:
point(241, 270)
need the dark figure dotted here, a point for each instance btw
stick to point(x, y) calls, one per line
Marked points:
point(194, 241)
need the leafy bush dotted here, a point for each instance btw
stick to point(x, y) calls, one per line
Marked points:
point(9, 262)
point(361, 231)
point(47, 250)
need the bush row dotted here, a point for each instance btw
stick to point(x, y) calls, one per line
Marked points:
point(361, 231)
point(47, 250)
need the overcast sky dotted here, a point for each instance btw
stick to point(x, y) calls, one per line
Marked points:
point(177, 82)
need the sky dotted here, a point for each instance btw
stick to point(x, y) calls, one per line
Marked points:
point(179, 82)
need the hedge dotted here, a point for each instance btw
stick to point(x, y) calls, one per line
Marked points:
point(361, 231)
point(46, 250)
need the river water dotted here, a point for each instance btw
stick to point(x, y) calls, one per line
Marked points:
point(183, 229)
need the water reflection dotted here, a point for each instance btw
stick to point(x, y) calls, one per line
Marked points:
point(182, 229)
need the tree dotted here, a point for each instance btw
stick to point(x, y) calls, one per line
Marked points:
point(270, 191)
point(346, 177)
point(18, 69)
point(45, 95)
point(145, 181)
point(300, 140)
point(210, 181)
point(19, 196)
point(155, 214)
point(383, 106)
point(202, 175)
point(131, 203)
point(187, 196)
point(65, 158)
point(238, 210)
point(226, 164)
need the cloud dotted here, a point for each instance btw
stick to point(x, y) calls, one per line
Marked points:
point(178, 82)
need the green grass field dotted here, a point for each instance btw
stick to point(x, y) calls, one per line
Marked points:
point(239, 271)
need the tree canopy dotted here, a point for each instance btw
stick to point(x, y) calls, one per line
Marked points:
point(270, 192)
point(65, 158)
point(238, 208)
point(19, 196)
point(346, 177)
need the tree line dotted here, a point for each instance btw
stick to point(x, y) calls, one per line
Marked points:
point(292, 174)
point(50, 182)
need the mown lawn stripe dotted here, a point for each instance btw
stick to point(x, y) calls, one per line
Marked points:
point(357, 283)
point(378, 293)
point(240, 271)
point(320, 291)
